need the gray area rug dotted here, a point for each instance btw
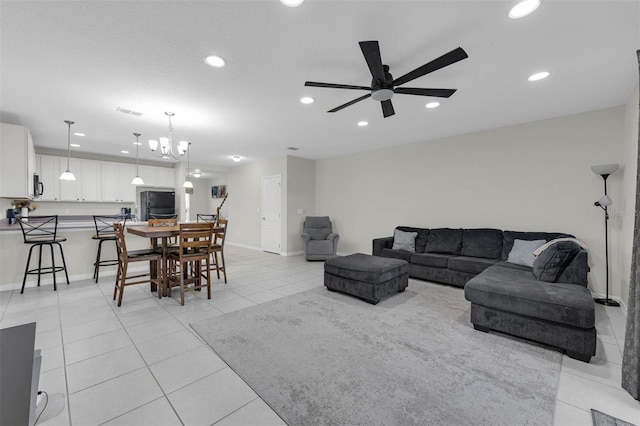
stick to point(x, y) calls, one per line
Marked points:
point(601, 419)
point(322, 358)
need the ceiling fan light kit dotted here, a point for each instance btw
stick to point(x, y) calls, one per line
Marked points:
point(383, 86)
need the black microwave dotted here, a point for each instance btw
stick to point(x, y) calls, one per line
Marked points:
point(38, 186)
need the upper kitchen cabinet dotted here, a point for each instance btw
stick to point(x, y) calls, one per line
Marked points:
point(157, 177)
point(49, 172)
point(165, 177)
point(17, 162)
point(116, 182)
point(87, 186)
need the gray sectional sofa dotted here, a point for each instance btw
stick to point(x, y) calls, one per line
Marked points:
point(546, 301)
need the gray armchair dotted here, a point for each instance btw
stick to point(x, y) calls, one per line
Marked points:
point(320, 242)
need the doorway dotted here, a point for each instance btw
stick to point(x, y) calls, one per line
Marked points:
point(271, 213)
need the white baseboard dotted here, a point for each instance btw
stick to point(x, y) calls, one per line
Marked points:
point(293, 253)
point(623, 306)
point(243, 246)
point(60, 279)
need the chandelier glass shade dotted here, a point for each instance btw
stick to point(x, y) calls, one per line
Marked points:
point(137, 180)
point(67, 175)
point(166, 144)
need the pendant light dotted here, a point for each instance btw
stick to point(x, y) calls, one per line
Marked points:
point(137, 180)
point(187, 183)
point(67, 175)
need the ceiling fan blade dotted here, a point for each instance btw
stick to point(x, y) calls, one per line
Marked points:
point(361, 98)
point(387, 108)
point(335, 86)
point(439, 93)
point(452, 57)
point(371, 52)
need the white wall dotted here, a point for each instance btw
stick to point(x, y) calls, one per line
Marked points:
point(624, 207)
point(530, 177)
point(301, 195)
point(244, 202)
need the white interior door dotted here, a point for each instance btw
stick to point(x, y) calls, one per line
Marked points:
point(271, 196)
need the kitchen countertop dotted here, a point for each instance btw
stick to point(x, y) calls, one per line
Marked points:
point(69, 222)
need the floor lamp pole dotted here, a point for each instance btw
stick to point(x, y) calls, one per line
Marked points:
point(606, 301)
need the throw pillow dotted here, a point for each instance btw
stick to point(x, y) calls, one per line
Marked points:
point(522, 252)
point(552, 262)
point(404, 240)
point(444, 241)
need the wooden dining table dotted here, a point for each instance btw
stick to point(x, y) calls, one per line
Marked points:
point(163, 233)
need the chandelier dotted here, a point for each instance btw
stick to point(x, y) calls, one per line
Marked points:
point(166, 144)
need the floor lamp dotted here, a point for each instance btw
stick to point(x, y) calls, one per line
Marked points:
point(604, 202)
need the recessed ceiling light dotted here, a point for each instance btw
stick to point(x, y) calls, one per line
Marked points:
point(196, 174)
point(75, 145)
point(291, 3)
point(236, 158)
point(215, 61)
point(523, 8)
point(363, 123)
point(306, 100)
point(433, 105)
point(137, 143)
point(538, 76)
point(79, 134)
point(124, 152)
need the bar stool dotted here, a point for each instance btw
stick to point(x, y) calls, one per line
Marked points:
point(41, 231)
point(104, 232)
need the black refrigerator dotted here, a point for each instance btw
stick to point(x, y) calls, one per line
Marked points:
point(157, 205)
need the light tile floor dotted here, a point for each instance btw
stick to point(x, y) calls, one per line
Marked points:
point(141, 364)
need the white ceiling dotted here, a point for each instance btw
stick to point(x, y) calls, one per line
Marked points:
point(80, 60)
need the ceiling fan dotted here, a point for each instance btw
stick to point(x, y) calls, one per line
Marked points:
point(383, 86)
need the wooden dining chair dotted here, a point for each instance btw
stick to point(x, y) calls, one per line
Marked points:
point(187, 262)
point(125, 257)
point(173, 242)
point(202, 217)
point(218, 247)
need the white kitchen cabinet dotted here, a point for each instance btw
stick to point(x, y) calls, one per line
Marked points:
point(148, 175)
point(87, 186)
point(127, 190)
point(71, 190)
point(91, 180)
point(17, 162)
point(165, 177)
point(49, 172)
point(116, 182)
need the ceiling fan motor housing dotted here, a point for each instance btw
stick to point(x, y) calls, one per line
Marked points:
point(382, 90)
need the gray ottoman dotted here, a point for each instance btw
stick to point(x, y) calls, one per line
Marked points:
point(371, 278)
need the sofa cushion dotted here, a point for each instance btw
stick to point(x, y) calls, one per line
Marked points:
point(444, 240)
point(518, 291)
point(551, 263)
point(482, 243)
point(421, 239)
point(508, 237)
point(472, 265)
point(320, 247)
point(362, 267)
point(522, 252)
point(404, 240)
point(396, 254)
point(432, 260)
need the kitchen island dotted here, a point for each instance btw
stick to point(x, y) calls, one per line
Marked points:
point(79, 252)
